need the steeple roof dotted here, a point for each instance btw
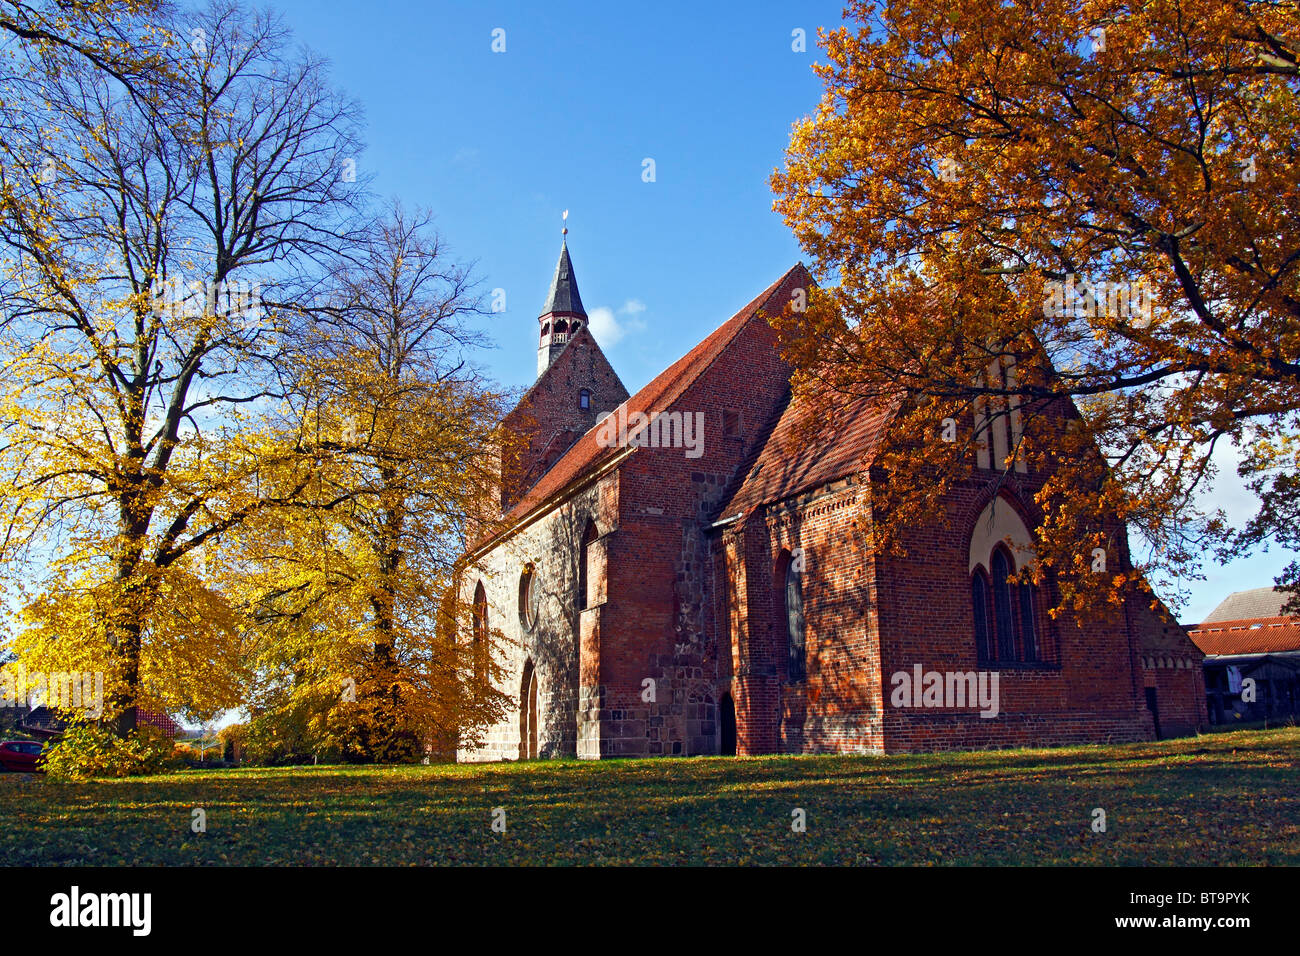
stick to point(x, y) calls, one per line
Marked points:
point(563, 297)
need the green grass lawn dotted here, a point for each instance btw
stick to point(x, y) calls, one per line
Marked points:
point(1222, 799)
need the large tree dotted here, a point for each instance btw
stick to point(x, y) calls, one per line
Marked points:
point(154, 239)
point(352, 587)
point(1102, 196)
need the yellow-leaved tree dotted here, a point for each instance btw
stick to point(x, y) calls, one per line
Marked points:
point(156, 240)
point(350, 589)
point(105, 34)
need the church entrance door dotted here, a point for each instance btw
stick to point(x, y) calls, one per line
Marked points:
point(727, 720)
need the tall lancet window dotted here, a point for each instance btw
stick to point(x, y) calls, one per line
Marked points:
point(796, 656)
point(979, 592)
point(1003, 615)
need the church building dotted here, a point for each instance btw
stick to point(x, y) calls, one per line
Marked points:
point(678, 573)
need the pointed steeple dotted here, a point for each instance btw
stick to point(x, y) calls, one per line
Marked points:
point(563, 314)
point(563, 298)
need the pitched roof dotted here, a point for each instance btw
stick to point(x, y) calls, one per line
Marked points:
point(659, 395)
point(810, 446)
point(563, 297)
point(1248, 636)
point(1255, 603)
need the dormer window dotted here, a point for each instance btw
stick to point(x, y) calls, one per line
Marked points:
point(584, 399)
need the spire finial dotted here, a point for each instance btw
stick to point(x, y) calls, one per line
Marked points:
point(565, 217)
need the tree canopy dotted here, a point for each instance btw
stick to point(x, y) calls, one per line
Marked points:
point(242, 425)
point(1038, 206)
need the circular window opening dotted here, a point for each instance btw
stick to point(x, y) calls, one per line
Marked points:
point(530, 598)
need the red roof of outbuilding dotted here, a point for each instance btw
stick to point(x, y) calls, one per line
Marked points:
point(1260, 635)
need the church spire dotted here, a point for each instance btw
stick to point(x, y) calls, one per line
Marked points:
point(563, 314)
point(563, 298)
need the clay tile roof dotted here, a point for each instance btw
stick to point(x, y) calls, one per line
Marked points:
point(659, 395)
point(1245, 605)
point(1261, 635)
point(797, 456)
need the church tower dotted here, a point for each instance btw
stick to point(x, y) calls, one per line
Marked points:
point(575, 383)
point(563, 315)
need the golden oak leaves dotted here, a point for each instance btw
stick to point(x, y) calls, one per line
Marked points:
point(147, 406)
point(1105, 195)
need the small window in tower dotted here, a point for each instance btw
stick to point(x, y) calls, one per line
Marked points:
point(730, 423)
point(584, 399)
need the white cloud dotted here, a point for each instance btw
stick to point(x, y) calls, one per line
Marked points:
point(607, 326)
point(604, 325)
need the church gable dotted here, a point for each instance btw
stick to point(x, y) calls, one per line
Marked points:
point(591, 451)
point(798, 458)
point(734, 387)
point(560, 408)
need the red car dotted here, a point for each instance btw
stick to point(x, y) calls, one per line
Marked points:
point(20, 755)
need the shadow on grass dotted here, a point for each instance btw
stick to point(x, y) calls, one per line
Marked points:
point(1209, 800)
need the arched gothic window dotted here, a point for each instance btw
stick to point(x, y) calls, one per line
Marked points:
point(530, 597)
point(1005, 614)
point(586, 597)
point(480, 633)
point(1003, 610)
point(796, 659)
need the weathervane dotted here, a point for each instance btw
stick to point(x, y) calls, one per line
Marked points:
point(565, 217)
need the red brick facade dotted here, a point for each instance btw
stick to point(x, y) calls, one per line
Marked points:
point(684, 555)
point(551, 417)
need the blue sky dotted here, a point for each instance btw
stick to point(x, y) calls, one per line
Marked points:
point(499, 144)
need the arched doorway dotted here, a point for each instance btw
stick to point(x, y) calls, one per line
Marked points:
point(727, 722)
point(528, 713)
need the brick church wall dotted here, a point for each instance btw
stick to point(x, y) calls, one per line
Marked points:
point(663, 616)
point(560, 646)
point(683, 611)
point(1172, 666)
point(837, 708)
point(1084, 689)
